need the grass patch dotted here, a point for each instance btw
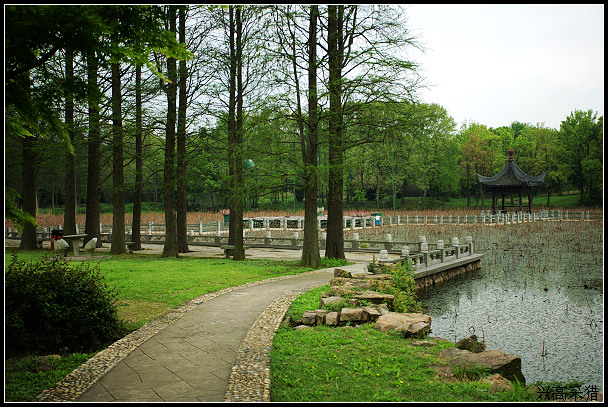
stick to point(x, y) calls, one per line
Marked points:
point(147, 286)
point(327, 262)
point(307, 301)
point(23, 382)
point(362, 364)
point(327, 364)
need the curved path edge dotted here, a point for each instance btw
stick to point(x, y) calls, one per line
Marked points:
point(252, 356)
point(250, 376)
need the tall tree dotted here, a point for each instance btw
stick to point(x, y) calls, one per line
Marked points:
point(235, 140)
point(293, 45)
point(94, 155)
point(36, 34)
point(118, 180)
point(309, 146)
point(170, 246)
point(580, 139)
point(28, 180)
point(335, 52)
point(69, 215)
point(232, 164)
point(182, 198)
point(239, 192)
point(480, 155)
point(137, 195)
point(365, 54)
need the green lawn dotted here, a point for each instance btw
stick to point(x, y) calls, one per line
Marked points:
point(147, 287)
point(362, 364)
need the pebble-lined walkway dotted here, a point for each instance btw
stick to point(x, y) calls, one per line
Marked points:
point(250, 375)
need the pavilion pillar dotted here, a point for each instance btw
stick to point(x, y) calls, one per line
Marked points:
point(520, 201)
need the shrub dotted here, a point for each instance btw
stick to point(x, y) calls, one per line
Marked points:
point(403, 287)
point(53, 306)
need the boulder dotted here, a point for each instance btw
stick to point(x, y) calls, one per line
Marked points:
point(339, 291)
point(332, 318)
point(321, 316)
point(42, 363)
point(497, 382)
point(309, 318)
point(338, 281)
point(496, 361)
point(375, 297)
point(371, 313)
point(420, 329)
point(351, 314)
point(417, 325)
point(342, 273)
point(329, 301)
point(354, 302)
point(471, 344)
point(349, 283)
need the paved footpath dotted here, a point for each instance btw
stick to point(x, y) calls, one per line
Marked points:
point(191, 358)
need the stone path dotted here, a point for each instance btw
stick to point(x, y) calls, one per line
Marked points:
point(192, 358)
point(214, 348)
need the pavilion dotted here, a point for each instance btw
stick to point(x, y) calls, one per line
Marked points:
point(510, 180)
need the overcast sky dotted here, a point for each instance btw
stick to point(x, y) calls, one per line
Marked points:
point(496, 64)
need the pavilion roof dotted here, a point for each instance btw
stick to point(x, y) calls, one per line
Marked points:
point(511, 176)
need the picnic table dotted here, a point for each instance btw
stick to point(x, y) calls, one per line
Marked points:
point(74, 241)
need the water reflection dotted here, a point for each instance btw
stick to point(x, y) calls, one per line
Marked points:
point(537, 296)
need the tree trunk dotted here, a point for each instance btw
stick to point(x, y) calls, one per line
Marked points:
point(94, 143)
point(137, 194)
point(239, 253)
point(28, 193)
point(310, 249)
point(69, 215)
point(170, 246)
point(182, 199)
point(118, 182)
point(232, 126)
point(335, 235)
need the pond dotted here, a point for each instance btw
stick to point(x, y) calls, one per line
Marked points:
point(538, 295)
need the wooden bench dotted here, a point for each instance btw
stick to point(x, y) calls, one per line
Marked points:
point(130, 246)
point(226, 248)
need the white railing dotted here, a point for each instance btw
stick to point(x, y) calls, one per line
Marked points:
point(350, 222)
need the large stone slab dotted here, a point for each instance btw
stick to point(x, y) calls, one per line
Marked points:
point(374, 297)
point(497, 361)
point(332, 318)
point(371, 313)
point(330, 301)
point(498, 383)
point(417, 325)
point(351, 314)
point(309, 318)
